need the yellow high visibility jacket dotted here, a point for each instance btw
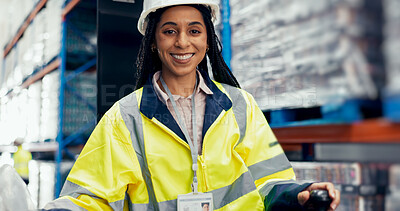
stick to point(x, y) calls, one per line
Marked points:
point(137, 158)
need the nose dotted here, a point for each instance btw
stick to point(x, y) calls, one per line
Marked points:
point(182, 41)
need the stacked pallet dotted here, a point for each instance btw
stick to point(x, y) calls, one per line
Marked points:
point(292, 54)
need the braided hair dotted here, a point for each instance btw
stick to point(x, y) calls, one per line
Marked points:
point(148, 62)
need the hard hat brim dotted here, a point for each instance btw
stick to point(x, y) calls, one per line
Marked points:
point(142, 23)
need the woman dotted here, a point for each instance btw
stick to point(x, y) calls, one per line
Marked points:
point(152, 151)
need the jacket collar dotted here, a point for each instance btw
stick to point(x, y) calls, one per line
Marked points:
point(218, 96)
point(152, 107)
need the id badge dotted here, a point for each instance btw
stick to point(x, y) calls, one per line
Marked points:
point(195, 202)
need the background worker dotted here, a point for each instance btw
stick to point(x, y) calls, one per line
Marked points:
point(181, 135)
point(21, 160)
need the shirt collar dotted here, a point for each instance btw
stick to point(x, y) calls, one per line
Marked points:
point(164, 97)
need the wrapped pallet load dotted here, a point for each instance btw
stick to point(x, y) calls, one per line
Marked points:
point(295, 54)
point(392, 44)
point(391, 49)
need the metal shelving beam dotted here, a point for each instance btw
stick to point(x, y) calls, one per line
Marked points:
point(367, 131)
point(81, 69)
point(37, 76)
point(71, 5)
point(61, 140)
point(23, 27)
point(226, 32)
point(80, 35)
point(42, 147)
point(8, 148)
point(32, 147)
point(60, 135)
point(77, 134)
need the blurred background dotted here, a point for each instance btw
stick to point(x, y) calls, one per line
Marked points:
point(325, 73)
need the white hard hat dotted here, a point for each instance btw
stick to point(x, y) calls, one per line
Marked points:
point(153, 5)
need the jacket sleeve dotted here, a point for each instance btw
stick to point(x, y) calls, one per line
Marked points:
point(106, 166)
point(272, 172)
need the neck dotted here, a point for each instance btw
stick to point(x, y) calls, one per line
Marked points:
point(182, 86)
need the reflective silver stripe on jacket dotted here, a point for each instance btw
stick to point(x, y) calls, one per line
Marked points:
point(75, 190)
point(131, 115)
point(239, 107)
point(63, 204)
point(117, 205)
point(242, 186)
point(270, 166)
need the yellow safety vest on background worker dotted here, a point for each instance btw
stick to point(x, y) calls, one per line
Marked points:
point(21, 162)
point(137, 157)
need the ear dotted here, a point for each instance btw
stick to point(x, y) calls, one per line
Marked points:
point(153, 47)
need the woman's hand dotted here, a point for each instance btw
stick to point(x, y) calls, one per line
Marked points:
point(304, 195)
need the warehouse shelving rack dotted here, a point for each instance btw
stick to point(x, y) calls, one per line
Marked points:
point(60, 62)
point(295, 135)
point(370, 132)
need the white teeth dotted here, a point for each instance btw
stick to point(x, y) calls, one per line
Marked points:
point(182, 57)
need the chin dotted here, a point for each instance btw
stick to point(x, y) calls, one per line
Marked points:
point(183, 71)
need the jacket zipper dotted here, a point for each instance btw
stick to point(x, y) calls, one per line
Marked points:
point(203, 175)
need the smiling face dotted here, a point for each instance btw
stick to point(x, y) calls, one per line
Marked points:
point(181, 40)
point(205, 207)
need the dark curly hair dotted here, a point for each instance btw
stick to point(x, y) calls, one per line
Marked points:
point(148, 62)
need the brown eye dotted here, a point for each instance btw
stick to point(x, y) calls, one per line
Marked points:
point(168, 32)
point(194, 31)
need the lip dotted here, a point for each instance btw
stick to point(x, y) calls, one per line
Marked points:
point(181, 61)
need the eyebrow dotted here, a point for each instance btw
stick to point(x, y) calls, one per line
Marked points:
point(174, 24)
point(169, 23)
point(195, 23)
